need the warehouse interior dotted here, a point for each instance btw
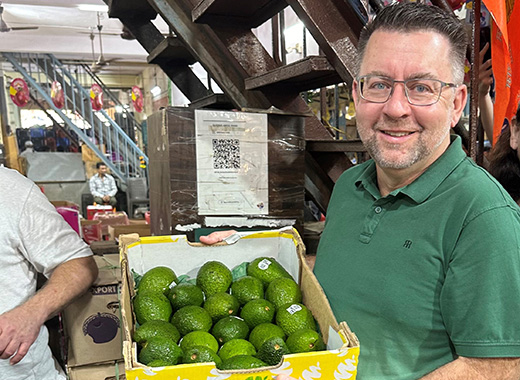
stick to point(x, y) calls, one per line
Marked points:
point(141, 82)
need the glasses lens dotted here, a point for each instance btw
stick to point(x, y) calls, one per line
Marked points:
point(423, 91)
point(376, 89)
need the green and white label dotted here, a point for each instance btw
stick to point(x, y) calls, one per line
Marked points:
point(294, 308)
point(264, 264)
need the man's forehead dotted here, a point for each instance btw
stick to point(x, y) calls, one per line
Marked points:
point(405, 48)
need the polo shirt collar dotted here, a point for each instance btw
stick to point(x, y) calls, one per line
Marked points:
point(420, 189)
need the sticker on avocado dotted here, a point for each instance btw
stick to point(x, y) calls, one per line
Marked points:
point(294, 308)
point(264, 264)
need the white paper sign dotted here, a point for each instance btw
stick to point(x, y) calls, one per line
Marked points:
point(232, 168)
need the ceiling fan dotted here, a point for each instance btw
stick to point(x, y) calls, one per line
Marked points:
point(100, 62)
point(4, 28)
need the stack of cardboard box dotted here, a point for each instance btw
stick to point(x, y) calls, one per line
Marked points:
point(93, 326)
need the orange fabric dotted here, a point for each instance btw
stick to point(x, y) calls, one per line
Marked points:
point(505, 54)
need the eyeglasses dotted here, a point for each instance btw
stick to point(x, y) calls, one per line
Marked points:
point(419, 92)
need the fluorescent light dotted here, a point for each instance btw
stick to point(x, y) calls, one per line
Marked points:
point(156, 91)
point(93, 7)
point(119, 109)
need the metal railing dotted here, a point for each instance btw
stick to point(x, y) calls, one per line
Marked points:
point(95, 128)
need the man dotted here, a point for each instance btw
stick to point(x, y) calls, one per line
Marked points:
point(421, 250)
point(29, 149)
point(34, 238)
point(103, 186)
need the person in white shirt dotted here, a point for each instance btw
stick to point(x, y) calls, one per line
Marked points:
point(103, 186)
point(34, 239)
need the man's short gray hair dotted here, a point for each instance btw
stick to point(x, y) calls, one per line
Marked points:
point(414, 17)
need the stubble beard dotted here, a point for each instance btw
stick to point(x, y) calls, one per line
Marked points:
point(420, 151)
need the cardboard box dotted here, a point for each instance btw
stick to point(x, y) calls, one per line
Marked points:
point(65, 204)
point(93, 210)
point(124, 229)
point(88, 155)
point(142, 254)
point(91, 230)
point(71, 216)
point(103, 371)
point(111, 219)
point(93, 321)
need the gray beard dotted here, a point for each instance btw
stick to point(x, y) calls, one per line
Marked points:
point(420, 152)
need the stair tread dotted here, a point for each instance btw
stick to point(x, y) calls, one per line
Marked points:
point(171, 49)
point(131, 8)
point(306, 74)
point(246, 13)
point(214, 101)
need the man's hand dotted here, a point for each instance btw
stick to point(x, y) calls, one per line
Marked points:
point(284, 377)
point(19, 328)
point(106, 198)
point(216, 236)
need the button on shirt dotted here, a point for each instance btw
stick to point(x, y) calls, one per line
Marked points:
point(99, 187)
point(426, 273)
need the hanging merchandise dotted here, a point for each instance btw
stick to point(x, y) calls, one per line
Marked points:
point(57, 95)
point(137, 99)
point(19, 92)
point(96, 97)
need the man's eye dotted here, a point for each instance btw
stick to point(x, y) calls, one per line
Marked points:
point(379, 86)
point(422, 88)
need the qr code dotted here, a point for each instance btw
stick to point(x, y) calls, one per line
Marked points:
point(226, 154)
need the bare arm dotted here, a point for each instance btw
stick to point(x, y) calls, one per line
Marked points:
point(485, 103)
point(477, 369)
point(20, 327)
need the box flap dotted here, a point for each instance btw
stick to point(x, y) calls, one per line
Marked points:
point(109, 269)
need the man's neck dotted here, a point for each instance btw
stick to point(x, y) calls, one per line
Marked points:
point(389, 180)
point(101, 175)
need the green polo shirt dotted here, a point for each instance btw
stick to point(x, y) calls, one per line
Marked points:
point(429, 272)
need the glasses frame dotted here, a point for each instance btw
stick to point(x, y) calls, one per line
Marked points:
point(362, 78)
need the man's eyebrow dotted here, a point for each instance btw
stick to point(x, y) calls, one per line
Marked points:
point(423, 75)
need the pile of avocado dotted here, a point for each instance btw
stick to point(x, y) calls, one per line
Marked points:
point(247, 323)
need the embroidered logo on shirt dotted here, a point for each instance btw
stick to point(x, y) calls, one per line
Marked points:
point(407, 244)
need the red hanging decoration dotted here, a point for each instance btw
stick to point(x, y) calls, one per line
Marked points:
point(96, 97)
point(19, 92)
point(57, 95)
point(137, 99)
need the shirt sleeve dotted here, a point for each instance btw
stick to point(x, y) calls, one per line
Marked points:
point(113, 187)
point(480, 299)
point(47, 240)
point(93, 187)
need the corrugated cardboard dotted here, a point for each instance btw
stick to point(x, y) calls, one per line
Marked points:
point(93, 322)
point(141, 254)
point(125, 229)
point(65, 204)
point(91, 230)
point(104, 371)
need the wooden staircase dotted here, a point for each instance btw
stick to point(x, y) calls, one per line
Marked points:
point(218, 34)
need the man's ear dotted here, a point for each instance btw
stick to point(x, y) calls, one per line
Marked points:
point(514, 140)
point(355, 85)
point(459, 102)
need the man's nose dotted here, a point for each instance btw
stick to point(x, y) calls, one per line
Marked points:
point(398, 104)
